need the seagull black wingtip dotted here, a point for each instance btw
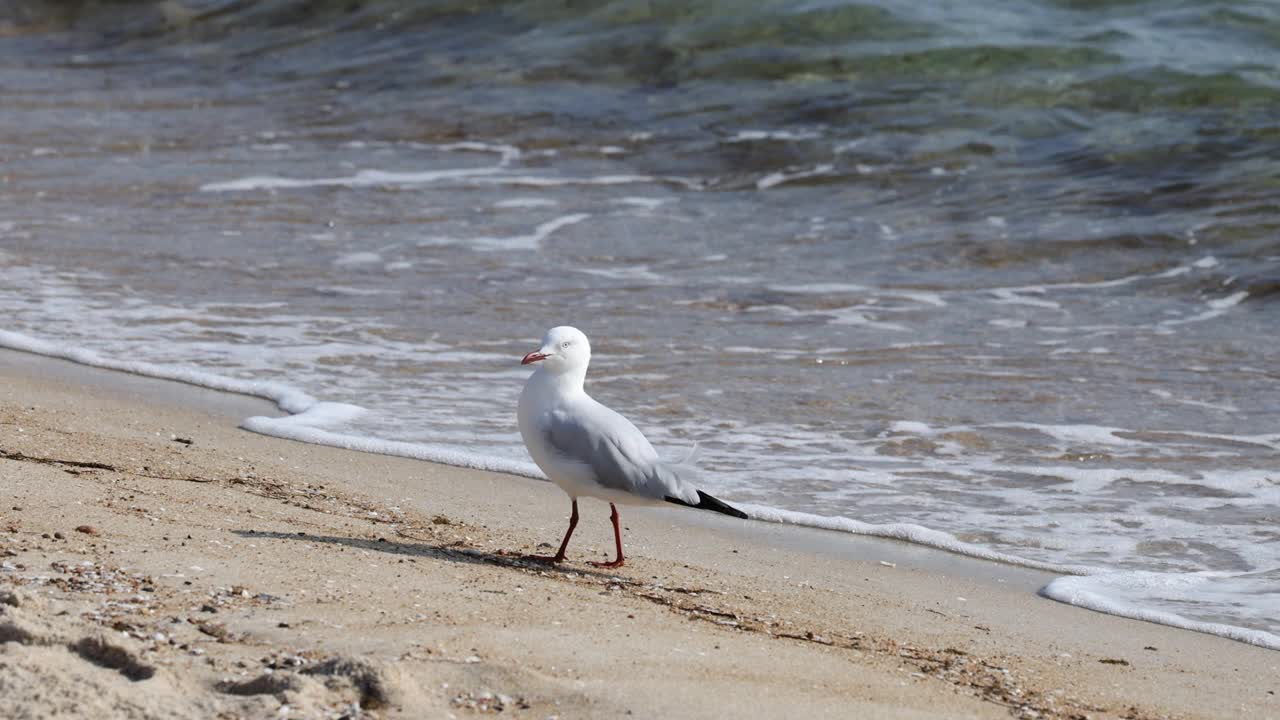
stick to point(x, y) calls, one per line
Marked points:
point(706, 502)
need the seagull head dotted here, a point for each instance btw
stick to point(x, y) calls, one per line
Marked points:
point(564, 349)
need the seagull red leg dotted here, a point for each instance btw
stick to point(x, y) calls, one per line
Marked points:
point(559, 556)
point(617, 540)
point(573, 523)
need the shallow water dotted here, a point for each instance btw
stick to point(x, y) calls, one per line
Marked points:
point(1005, 270)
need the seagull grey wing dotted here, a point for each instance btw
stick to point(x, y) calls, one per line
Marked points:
point(618, 462)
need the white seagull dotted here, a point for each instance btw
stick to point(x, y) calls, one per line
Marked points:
point(588, 449)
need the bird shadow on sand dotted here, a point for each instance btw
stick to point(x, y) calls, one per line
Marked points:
point(449, 552)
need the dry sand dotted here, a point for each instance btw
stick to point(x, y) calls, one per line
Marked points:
point(160, 563)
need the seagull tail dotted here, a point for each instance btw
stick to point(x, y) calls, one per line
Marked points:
point(706, 502)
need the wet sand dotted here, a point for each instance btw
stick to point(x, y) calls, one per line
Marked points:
point(159, 562)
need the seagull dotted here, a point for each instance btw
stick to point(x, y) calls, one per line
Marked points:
point(588, 449)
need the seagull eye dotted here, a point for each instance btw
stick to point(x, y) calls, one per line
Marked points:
point(564, 344)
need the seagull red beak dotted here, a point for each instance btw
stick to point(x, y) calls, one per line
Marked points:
point(533, 357)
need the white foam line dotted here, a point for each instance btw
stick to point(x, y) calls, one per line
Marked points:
point(363, 178)
point(852, 316)
point(508, 153)
point(1271, 441)
point(541, 181)
point(1088, 434)
point(917, 534)
point(514, 242)
point(1018, 295)
point(640, 273)
point(1075, 591)
point(1224, 407)
point(1199, 317)
point(926, 298)
point(544, 231)
point(645, 203)
point(345, 291)
point(289, 429)
point(288, 399)
point(821, 288)
point(525, 202)
point(779, 178)
point(1217, 307)
point(1228, 301)
point(781, 135)
point(357, 258)
point(1096, 434)
point(1014, 296)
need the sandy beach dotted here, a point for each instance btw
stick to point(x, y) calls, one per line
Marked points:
point(158, 562)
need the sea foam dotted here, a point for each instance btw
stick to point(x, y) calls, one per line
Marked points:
point(1107, 592)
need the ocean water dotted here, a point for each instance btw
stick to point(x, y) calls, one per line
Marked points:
point(999, 277)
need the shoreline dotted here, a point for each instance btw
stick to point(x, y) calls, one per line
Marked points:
point(236, 407)
point(284, 412)
point(397, 584)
